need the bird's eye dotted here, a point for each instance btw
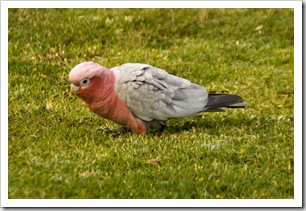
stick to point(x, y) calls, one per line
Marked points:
point(84, 82)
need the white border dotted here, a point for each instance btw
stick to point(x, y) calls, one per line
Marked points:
point(150, 4)
point(4, 105)
point(152, 203)
point(298, 104)
point(296, 202)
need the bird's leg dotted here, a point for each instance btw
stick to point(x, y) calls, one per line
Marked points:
point(155, 124)
point(163, 126)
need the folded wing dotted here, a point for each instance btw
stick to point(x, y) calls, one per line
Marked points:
point(153, 94)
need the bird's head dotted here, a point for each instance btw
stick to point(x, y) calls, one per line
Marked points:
point(90, 81)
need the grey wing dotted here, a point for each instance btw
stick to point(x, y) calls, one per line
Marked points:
point(153, 94)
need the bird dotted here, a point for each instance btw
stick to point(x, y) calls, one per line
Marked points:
point(141, 97)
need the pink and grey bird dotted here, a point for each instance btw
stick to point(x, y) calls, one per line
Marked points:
point(140, 96)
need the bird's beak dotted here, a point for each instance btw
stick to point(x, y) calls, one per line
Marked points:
point(74, 88)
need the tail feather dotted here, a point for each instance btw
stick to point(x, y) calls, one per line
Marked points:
point(217, 101)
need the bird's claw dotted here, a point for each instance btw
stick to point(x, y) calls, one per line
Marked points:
point(116, 132)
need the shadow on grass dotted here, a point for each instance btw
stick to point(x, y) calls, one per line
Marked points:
point(207, 124)
point(187, 126)
point(216, 125)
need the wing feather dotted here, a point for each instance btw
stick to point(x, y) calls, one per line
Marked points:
point(153, 94)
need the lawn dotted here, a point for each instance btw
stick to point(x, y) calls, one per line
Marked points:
point(56, 151)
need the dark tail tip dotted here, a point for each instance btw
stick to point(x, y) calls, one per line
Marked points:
point(217, 101)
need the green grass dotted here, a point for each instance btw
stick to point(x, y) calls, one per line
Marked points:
point(55, 150)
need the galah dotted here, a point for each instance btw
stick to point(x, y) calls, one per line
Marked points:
point(140, 96)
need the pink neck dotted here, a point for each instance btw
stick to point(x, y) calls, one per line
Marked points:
point(104, 101)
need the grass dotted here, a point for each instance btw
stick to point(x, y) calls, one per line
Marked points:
point(55, 150)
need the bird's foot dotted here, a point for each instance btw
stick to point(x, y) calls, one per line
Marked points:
point(116, 132)
point(163, 127)
point(158, 127)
